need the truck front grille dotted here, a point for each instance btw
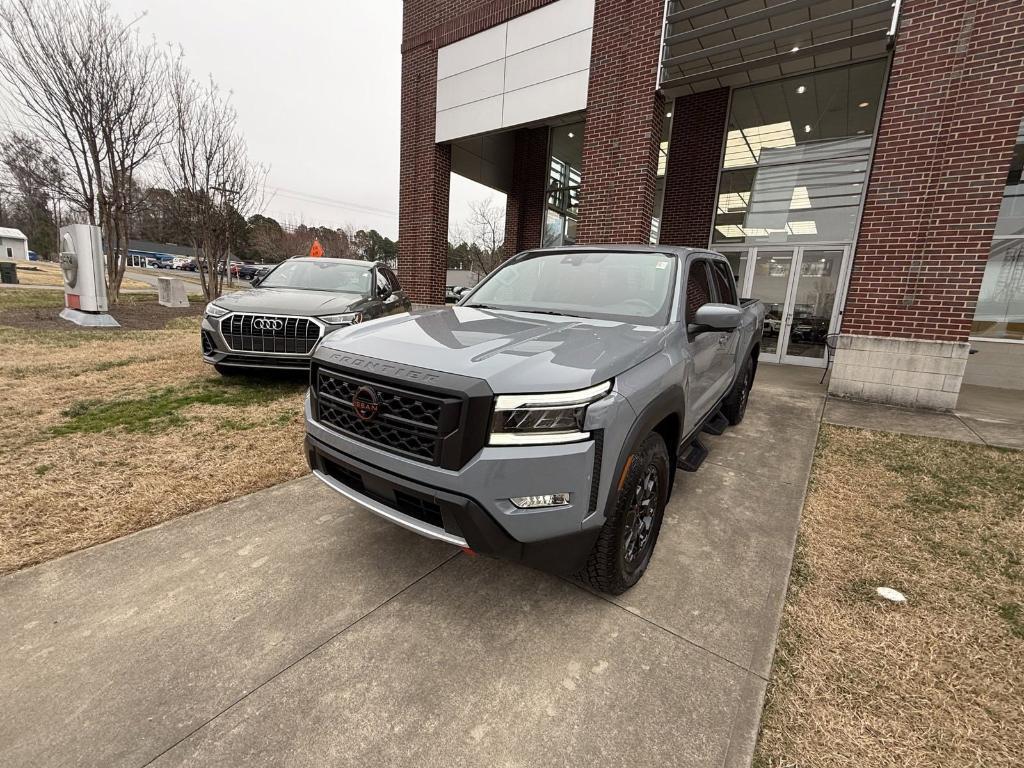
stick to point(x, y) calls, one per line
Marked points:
point(405, 421)
point(273, 334)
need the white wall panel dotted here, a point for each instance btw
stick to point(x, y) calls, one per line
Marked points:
point(552, 97)
point(472, 51)
point(545, 62)
point(469, 119)
point(530, 68)
point(471, 85)
point(549, 23)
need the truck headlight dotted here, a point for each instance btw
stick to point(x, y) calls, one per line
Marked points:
point(212, 310)
point(346, 318)
point(543, 419)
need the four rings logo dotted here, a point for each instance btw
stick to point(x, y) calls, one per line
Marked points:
point(267, 324)
point(365, 403)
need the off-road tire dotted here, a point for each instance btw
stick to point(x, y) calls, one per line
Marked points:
point(734, 407)
point(608, 569)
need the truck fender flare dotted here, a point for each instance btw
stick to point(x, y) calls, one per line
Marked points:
point(670, 402)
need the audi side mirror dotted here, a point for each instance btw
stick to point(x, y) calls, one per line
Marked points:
point(716, 317)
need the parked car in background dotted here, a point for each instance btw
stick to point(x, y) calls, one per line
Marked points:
point(278, 322)
point(452, 293)
point(164, 262)
point(33, 256)
point(247, 271)
point(543, 417)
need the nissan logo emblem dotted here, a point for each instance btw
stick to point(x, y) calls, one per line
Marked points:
point(267, 324)
point(365, 403)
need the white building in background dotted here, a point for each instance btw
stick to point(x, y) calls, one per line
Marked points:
point(13, 244)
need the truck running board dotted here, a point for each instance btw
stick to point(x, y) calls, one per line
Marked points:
point(691, 457)
point(717, 424)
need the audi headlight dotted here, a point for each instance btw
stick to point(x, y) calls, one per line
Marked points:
point(212, 310)
point(543, 419)
point(346, 318)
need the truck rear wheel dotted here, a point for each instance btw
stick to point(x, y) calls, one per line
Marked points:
point(624, 547)
point(734, 407)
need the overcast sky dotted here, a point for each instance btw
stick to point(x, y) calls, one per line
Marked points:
point(317, 88)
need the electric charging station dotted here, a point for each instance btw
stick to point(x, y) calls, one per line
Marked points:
point(85, 289)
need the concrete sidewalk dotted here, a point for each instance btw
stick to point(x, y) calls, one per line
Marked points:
point(291, 627)
point(983, 415)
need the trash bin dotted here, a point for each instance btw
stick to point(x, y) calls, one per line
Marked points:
point(8, 272)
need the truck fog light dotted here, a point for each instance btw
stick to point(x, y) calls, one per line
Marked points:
point(547, 500)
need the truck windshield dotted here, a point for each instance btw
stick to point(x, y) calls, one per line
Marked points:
point(320, 276)
point(627, 287)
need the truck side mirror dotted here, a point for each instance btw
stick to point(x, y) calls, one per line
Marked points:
point(384, 292)
point(716, 317)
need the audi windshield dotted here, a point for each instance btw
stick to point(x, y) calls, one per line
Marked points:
point(320, 276)
point(626, 287)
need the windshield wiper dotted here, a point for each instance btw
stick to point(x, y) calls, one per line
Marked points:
point(482, 306)
point(547, 312)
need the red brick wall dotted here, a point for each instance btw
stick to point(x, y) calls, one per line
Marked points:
point(694, 156)
point(425, 166)
point(954, 101)
point(424, 180)
point(524, 207)
point(624, 120)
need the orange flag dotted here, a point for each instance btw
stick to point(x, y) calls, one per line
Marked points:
point(316, 250)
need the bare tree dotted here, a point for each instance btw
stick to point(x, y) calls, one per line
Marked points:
point(90, 91)
point(207, 163)
point(486, 225)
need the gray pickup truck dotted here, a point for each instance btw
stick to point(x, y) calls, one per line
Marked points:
point(542, 418)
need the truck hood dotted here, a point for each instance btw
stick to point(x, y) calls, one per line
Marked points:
point(513, 351)
point(288, 301)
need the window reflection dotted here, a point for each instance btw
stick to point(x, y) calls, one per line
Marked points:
point(1000, 310)
point(796, 157)
point(563, 184)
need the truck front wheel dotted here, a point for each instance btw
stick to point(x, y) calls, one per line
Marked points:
point(624, 546)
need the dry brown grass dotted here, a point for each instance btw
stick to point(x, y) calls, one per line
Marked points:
point(938, 681)
point(63, 492)
point(47, 273)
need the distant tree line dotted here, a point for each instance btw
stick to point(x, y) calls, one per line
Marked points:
point(112, 129)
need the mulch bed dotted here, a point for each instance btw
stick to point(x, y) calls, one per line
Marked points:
point(139, 316)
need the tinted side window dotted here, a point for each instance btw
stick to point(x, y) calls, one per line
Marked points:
point(393, 279)
point(382, 281)
point(698, 289)
point(725, 285)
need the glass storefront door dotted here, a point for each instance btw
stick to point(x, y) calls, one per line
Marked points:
point(811, 305)
point(798, 287)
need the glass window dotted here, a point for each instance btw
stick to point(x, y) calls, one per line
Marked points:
point(563, 184)
point(1011, 213)
point(627, 287)
point(999, 313)
point(698, 289)
point(392, 279)
point(796, 157)
point(320, 275)
point(725, 284)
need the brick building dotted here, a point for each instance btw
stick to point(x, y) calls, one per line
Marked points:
point(858, 161)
